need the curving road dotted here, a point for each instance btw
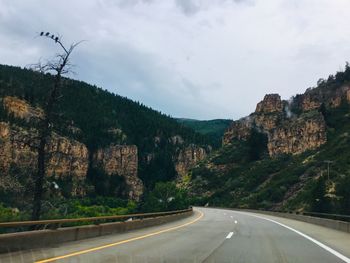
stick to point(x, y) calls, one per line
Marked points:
point(210, 235)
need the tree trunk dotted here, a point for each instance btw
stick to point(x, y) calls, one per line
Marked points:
point(44, 135)
point(38, 188)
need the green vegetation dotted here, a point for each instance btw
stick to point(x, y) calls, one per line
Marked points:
point(165, 197)
point(73, 208)
point(214, 129)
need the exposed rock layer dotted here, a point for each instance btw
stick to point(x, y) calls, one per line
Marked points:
point(65, 157)
point(21, 109)
point(270, 103)
point(121, 160)
point(188, 158)
point(297, 136)
point(288, 132)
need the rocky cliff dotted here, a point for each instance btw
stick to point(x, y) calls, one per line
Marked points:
point(297, 135)
point(288, 132)
point(270, 103)
point(188, 157)
point(121, 160)
point(21, 109)
point(239, 130)
point(313, 98)
point(66, 157)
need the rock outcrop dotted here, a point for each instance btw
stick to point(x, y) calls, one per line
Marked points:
point(313, 98)
point(123, 161)
point(67, 157)
point(297, 136)
point(239, 130)
point(21, 109)
point(188, 157)
point(287, 133)
point(270, 103)
point(18, 148)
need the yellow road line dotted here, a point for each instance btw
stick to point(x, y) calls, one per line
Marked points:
point(120, 242)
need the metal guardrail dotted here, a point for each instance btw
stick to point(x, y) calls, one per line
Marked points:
point(58, 222)
point(333, 221)
point(339, 217)
point(345, 218)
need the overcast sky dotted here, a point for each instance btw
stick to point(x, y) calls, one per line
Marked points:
point(200, 59)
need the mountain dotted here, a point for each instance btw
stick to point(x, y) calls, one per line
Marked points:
point(102, 144)
point(277, 157)
point(214, 129)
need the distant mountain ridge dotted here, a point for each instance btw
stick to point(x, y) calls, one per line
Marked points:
point(215, 129)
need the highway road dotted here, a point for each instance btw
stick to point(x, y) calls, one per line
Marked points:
point(210, 235)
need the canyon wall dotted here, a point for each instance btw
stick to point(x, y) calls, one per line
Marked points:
point(121, 160)
point(288, 132)
point(188, 157)
point(66, 157)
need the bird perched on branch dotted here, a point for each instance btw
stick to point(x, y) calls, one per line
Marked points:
point(47, 34)
point(42, 33)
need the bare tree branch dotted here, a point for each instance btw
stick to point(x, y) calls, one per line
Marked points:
point(59, 66)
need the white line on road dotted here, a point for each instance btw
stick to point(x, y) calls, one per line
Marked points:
point(236, 222)
point(327, 248)
point(229, 235)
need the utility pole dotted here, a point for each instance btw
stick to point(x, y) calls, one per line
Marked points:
point(328, 162)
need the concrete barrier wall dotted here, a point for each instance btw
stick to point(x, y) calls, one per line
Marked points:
point(44, 238)
point(329, 223)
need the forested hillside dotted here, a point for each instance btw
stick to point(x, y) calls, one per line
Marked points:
point(103, 144)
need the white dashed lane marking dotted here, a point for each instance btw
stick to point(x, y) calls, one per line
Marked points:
point(229, 235)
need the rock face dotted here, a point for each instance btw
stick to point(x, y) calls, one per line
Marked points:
point(297, 136)
point(21, 109)
point(176, 140)
point(310, 101)
point(123, 161)
point(239, 130)
point(287, 133)
point(66, 157)
point(270, 103)
point(188, 158)
point(313, 98)
point(69, 157)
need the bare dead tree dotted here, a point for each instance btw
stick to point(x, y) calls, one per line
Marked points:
point(58, 67)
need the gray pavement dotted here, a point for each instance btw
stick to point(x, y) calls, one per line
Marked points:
point(218, 236)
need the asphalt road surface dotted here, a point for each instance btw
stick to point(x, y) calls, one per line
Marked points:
point(210, 235)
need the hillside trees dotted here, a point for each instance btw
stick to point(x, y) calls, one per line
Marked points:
point(165, 197)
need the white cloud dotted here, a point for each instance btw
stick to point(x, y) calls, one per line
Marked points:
point(194, 58)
